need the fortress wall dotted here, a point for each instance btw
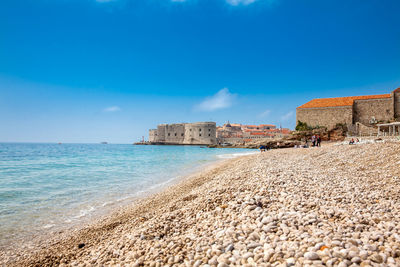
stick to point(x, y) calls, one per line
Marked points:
point(200, 133)
point(153, 135)
point(396, 105)
point(161, 132)
point(328, 117)
point(382, 109)
point(174, 133)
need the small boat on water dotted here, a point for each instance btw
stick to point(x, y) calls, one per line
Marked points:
point(104, 143)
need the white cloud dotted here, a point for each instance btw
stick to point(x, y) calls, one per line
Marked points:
point(248, 2)
point(240, 2)
point(222, 99)
point(287, 116)
point(265, 113)
point(112, 109)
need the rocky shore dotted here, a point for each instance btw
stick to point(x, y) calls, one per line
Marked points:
point(338, 205)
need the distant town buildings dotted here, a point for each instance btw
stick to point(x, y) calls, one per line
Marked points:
point(234, 132)
point(207, 133)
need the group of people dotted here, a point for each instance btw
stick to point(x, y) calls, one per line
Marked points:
point(264, 148)
point(352, 141)
point(316, 140)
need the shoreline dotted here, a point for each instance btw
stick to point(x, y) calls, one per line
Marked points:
point(46, 237)
point(217, 216)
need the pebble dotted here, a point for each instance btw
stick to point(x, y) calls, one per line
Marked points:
point(323, 206)
point(376, 258)
point(356, 260)
point(311, 255)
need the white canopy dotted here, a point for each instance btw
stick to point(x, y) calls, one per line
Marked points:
point(393, 128)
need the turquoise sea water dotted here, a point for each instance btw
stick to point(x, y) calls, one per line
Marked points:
point(51, 186)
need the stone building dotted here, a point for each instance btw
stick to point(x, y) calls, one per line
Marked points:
point(198, 133)
point(366, 110)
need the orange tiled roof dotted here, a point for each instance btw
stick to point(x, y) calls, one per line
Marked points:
point(256, 133)
point(339, 101)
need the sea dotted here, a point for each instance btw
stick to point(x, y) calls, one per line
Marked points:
point(48, 187)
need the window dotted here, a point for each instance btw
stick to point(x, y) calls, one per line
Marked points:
point(199, 134)
point(209, 134)
point(200, 130)
point(190, 129)
point(169, 134)
point(175, 134)
point(209, 130)
point(181, 134)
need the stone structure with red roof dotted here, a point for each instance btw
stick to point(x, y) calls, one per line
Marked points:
point(350, 110)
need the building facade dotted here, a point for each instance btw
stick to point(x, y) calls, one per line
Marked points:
point(241, 133)
point(366, 110)
point(198, 133)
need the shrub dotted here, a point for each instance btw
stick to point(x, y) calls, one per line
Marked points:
point(302, 126)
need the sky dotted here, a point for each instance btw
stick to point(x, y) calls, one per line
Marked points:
point(87, 71)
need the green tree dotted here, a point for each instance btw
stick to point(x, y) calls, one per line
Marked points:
point(302, 126)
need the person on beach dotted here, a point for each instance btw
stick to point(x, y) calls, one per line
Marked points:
point(318, 140)
point(313, 140)
point(351, 141)
point(262, 148)
point(306, 143)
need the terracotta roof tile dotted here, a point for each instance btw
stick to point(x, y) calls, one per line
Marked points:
point(256, 133)
point(339, 101)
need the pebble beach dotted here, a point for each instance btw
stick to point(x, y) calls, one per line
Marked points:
point(338, 205)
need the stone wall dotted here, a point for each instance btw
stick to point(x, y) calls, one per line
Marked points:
point(153, 135)
point(327, 117)
point(200, 133)
point(381, 109)
point(397, 104)
point(362, 111)
point(174, 133)
point(161, 133)
point(363, 130)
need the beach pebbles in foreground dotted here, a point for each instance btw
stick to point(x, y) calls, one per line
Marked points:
point(338, 205)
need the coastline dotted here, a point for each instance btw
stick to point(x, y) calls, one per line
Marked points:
point(127, 180)
point(49, 236)
point(237, 210)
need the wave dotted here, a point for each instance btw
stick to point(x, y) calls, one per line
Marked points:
point(47, 226)
point(84, 212)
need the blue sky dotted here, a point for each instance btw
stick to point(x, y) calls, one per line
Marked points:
point(92, 71)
